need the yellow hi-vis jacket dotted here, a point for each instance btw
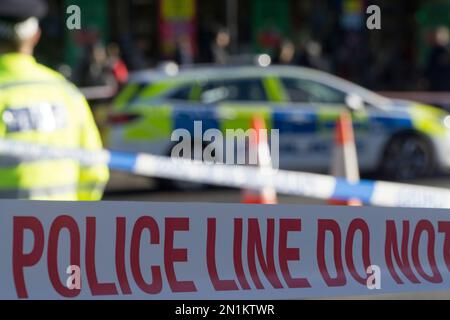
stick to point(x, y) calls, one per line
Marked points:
point(37, 105)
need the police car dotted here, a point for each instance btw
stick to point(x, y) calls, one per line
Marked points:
point(400, 139)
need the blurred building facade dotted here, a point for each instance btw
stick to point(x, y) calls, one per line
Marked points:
point(325, 34)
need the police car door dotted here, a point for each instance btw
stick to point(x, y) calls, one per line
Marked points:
point(222, 104)
point(307, 123)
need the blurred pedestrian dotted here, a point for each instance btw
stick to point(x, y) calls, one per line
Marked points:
point(184, 53)
point(220, 47)
point(438, 66)
point(94, 69)
point(116, 64)
point(39, 106)
point(312, 57)
point(133, 56)
point(285, 54)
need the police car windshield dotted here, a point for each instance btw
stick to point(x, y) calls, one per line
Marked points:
point(197, 73)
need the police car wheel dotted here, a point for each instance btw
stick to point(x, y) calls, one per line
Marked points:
point(407, 157)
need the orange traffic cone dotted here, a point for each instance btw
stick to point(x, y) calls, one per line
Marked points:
point(258, 142)
point(345, 159)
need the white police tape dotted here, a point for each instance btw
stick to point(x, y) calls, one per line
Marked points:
point(150, 250)
point(286, 182)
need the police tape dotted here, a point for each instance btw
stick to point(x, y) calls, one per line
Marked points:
point(138, 250)
point(319, 186)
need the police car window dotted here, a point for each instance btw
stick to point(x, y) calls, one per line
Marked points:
point(188, 92)
point(233, 90)
point(182, 93)
point(302, 90)
point(130, 93)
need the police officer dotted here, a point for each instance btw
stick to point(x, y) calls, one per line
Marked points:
point(37, 105)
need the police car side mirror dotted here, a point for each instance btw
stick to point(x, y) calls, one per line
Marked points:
point(354, 102)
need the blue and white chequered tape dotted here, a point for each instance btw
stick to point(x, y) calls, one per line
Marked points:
point(312, 185)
